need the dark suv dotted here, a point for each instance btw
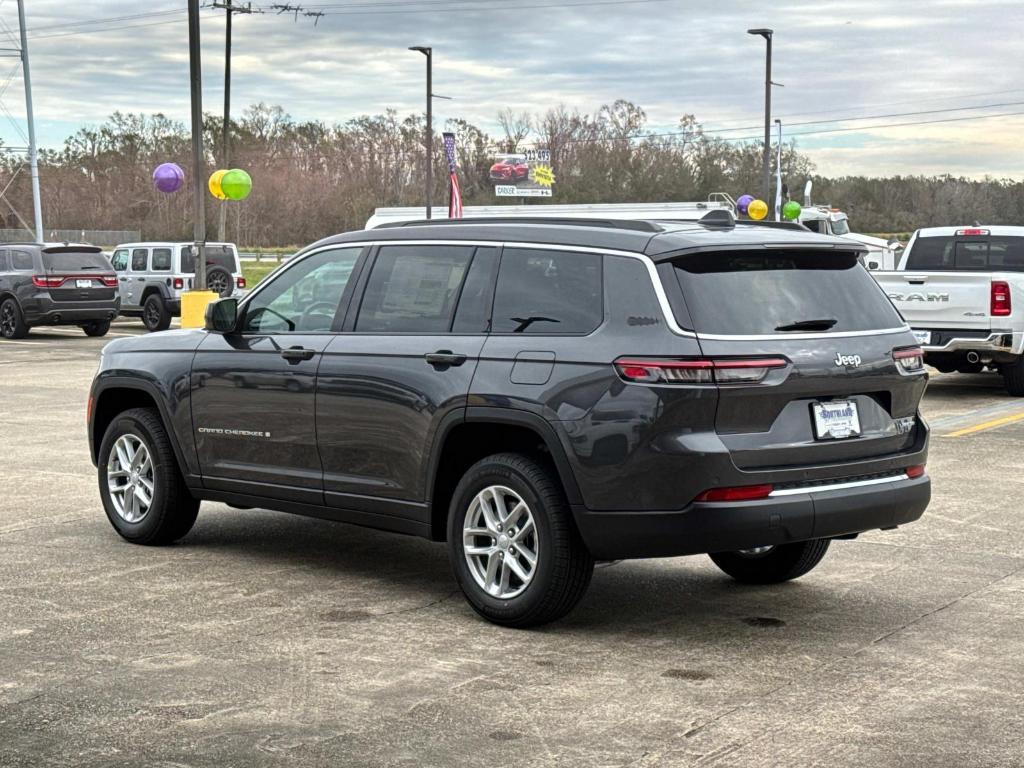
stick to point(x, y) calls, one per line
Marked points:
point(540, 395)
point(61, 284)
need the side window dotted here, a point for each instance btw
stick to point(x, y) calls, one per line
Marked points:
point(161, 259)
point(473, 314)
point(5, 263)
point(188, 261)
point(413, 288)
point(815, 226)
point(305, 297)
point(139, 258)
point(119, 261)
point(542, 291)
point(22, 261)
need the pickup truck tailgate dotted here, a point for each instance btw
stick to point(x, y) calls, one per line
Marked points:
point(941, 299)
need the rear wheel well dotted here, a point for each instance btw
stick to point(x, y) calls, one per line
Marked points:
point(465, 445)
point(112, 402)
point(149, 292)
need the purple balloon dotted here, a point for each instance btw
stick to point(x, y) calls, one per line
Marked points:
point(168, 177)
point(743, 203)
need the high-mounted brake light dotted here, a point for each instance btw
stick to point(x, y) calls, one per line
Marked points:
point(737, 493)
point(697, 371)
point(1001, 305)
point(909, 359)
point(971, 232)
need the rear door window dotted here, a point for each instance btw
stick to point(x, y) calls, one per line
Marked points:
point(548, 291)
point(413, 288)
point(161, 259)
point(742, 293)
point(139, 258)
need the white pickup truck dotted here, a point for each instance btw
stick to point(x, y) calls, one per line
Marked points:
point(962, 291)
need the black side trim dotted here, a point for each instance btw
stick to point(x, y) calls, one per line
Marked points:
point(366, 519)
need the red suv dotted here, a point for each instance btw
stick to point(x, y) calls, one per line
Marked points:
point(510, 169)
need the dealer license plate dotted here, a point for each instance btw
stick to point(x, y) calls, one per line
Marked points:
point(83, 283)
point(836, 420)
point(923, 337)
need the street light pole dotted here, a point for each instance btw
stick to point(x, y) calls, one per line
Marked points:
point(222, 222)
point(198, 172)
point(766, 159)
point(33, 150)
point(429, 138)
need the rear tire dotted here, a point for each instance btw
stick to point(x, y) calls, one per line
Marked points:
point(220, 282)
point(96, 328)
point(1013, 377)
point(562, 566)
point(172, 510)
point(12, 322)
point(154, 314)
point(781, 563)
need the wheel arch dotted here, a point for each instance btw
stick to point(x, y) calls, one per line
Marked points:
point(117, 395)
point(464, 439)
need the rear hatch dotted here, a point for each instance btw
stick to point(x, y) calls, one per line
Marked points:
point(76, 273)
point(832, 389)
point(947, 280)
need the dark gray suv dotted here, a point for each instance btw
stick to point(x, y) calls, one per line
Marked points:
point(539, 394)
point(59, 284)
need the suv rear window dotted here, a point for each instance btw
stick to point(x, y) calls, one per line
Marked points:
point(75, 261)
point(755, 293)
point(216, 255)
point(970, 254)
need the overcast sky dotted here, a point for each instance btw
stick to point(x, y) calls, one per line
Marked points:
point(836, 59)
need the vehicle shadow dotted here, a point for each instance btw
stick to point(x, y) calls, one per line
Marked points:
point(680, 597)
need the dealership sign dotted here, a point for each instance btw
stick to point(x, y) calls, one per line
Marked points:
point(526, 174)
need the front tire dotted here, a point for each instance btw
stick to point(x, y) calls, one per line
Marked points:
point(97, 328)
point(513, 545)
point(772, 565)
point(12, 322)
point(143, 493)
point(155, 315)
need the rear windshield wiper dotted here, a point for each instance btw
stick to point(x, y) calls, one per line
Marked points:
point(809, 325)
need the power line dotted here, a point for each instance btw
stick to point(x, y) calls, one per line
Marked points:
point(351, 9)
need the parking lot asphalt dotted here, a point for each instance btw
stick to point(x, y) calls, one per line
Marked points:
point(264, 639)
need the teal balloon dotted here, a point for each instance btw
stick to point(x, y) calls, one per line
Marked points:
point(791, 210)
point(236, 184)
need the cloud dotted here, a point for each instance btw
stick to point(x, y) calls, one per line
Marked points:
point(672, 57)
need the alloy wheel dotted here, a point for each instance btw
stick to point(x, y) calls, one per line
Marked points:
point(217, 283)
point(7, 320)
point(499, 540)
point(130, 478)
point(152, 312)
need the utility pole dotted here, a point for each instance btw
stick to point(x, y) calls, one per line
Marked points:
point(766, 159)
point(429, 137)
point(778, 177)
point(231, 10)
point(198, 170)
point(33, 151)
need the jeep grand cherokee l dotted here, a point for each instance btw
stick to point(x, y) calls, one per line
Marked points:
point(539, 395)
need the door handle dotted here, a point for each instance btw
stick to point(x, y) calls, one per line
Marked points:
point(297, 354)
point(444, 357)
point(123, 279)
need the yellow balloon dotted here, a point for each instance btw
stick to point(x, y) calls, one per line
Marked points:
point(757, 210)
point(214, 185)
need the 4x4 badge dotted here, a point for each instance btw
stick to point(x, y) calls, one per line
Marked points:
point(847, 361)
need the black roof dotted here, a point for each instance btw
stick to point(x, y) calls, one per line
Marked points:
point(654, 238)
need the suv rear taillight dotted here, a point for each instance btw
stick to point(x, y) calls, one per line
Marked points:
point(179, 283)
point(1001, 298)
point(909, 359)
point(110, 281)
point(43, 281)
point(698, 370)
point(240, 282)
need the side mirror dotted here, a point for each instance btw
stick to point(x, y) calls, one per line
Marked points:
point(222, 315)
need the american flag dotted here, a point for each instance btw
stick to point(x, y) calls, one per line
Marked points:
point(454, 192)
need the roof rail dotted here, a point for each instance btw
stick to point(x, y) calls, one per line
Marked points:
point(631, 224)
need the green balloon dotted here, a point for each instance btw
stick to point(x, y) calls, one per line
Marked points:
point(791, 210)
point(236, 184)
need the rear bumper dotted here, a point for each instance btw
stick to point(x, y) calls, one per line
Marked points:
point(45, 311)
point(173, 307)
point(944, 341)
point(786, 516)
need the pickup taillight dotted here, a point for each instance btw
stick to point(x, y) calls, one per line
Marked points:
point(1001, 306)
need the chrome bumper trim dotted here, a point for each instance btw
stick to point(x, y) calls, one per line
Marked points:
point(837, 486)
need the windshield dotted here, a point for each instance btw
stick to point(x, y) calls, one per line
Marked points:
point(75, 261)
point(969, 253)
point(840, 227)
point(754, 293)
point(216, 255)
